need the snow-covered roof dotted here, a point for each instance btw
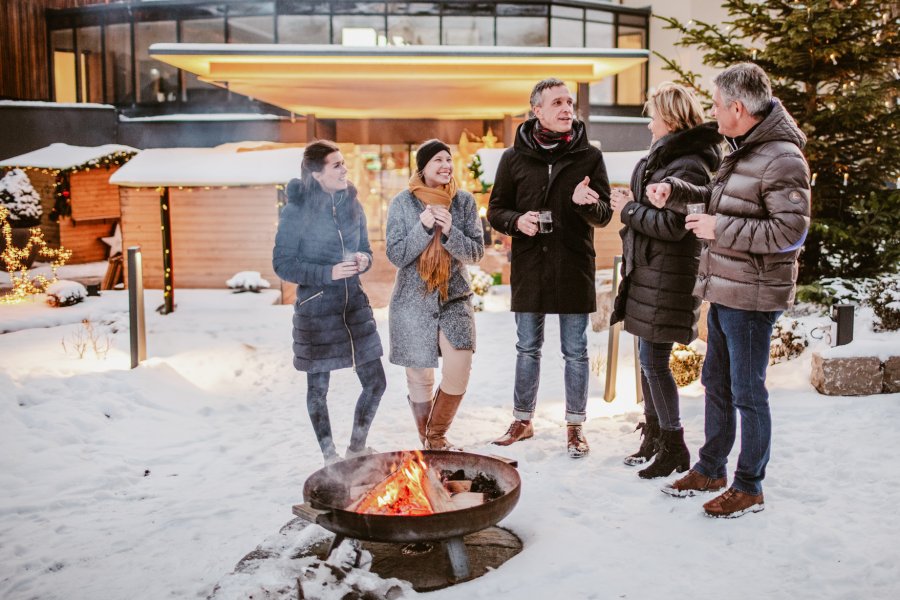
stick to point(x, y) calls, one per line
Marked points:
point(201, 117)
point(63, 156)
point(41, 104)
point(619, 165)
point(221, 166)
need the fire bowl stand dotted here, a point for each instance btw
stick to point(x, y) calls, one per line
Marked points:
point(454, 546)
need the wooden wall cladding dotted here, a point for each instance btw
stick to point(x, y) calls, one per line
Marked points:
point(215, 233)
point(83, 239)
point(92, 195)
point(24, 64)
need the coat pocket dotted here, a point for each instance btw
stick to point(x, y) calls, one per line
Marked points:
point(318, 294)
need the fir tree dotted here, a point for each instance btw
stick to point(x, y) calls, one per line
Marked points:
point(836, 68)
point(19, 197)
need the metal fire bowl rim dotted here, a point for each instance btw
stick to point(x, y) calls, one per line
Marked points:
point(400, 528)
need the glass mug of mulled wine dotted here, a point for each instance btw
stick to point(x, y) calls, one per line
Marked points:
point(696, 209)
point(545, 221)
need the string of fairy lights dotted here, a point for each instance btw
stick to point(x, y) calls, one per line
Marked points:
point(62, 194)
point(16, 261)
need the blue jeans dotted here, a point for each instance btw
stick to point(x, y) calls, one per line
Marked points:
point(573, 339)
point(658, 384)
point(371, 376)
point(734, 374)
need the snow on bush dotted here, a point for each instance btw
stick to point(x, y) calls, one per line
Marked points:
point(481, 282)
point(247, 281)
point(685, 363)
point(23, 202)
point(884, 298)
point(789, 340)
point(65, 293)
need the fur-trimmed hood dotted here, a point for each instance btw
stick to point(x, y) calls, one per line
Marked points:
point(704, 141)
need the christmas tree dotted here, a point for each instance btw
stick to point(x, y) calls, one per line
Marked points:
point(836, 68)
point(20, 199)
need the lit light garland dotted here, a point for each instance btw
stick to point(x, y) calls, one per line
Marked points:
point(16, 260)
point(63, 196)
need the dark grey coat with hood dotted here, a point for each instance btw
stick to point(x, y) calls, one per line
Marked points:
point(551, 273)
point(660, 256)
point(761, 200)
point(334, 326)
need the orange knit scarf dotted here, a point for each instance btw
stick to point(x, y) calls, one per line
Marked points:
point(434, 262)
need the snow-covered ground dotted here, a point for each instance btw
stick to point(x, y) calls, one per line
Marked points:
point(152, 483)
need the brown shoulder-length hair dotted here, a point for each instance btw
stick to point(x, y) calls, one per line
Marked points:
point(314, 156)
point(676, 105)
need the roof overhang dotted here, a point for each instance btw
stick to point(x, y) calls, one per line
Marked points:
point(418, 82)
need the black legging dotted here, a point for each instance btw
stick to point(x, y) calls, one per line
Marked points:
point(371, 376)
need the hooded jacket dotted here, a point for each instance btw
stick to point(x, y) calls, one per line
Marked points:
point(551, 273)
point(761, 199)
point(660, 256)
point(333, 325)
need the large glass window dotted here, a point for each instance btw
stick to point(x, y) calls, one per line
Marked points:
point(91, 68)
point(522, 31)
point(251, 30)
point(303, 29)
point(630, 82)
point(62, 45)
point(201, 31)
point(157, 81)
point(416, 31)
point(118, 64)
point(468, 31)
point(358, 30)
point(566, 33)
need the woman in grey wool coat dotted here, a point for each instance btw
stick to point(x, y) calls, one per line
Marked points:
point(433, 231)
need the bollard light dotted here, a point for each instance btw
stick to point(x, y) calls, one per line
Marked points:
point(842, 315)
point(137, 331)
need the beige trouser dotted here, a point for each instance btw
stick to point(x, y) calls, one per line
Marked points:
point(456, 365)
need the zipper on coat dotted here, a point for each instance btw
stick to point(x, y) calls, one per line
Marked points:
point(346, 285)
point(313, 297)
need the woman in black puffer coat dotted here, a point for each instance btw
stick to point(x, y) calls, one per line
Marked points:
point(660, 261)
point(322, 245)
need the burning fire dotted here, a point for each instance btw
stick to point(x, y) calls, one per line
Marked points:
point(409, 490)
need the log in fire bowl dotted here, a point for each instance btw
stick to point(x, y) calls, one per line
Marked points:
point(333, 496)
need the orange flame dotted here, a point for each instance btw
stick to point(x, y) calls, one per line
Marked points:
point(400, 493)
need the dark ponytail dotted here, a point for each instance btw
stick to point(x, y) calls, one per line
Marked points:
point(314, 156)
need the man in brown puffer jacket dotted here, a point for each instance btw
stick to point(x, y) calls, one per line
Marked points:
point(756, 219)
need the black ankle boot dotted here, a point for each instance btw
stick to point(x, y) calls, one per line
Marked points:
point(673, 456)
point(649, 442)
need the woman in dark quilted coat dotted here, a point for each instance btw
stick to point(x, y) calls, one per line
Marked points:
point(322, 245)
point(660, 261)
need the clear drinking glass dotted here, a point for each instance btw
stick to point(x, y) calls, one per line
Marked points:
point(545, 221)
point(696, 209)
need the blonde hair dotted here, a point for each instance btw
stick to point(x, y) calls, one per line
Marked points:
point(675, 105)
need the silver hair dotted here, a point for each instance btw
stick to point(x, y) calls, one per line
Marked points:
point(748, 83)
point(540, 86)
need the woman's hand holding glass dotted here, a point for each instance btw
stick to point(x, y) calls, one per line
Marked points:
point(345, 269)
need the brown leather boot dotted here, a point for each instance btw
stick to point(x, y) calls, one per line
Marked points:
point(420, 411)
point(692, 484)
point(519, 430)
point(734, 503)
point(442, 413)
point(575, 441)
